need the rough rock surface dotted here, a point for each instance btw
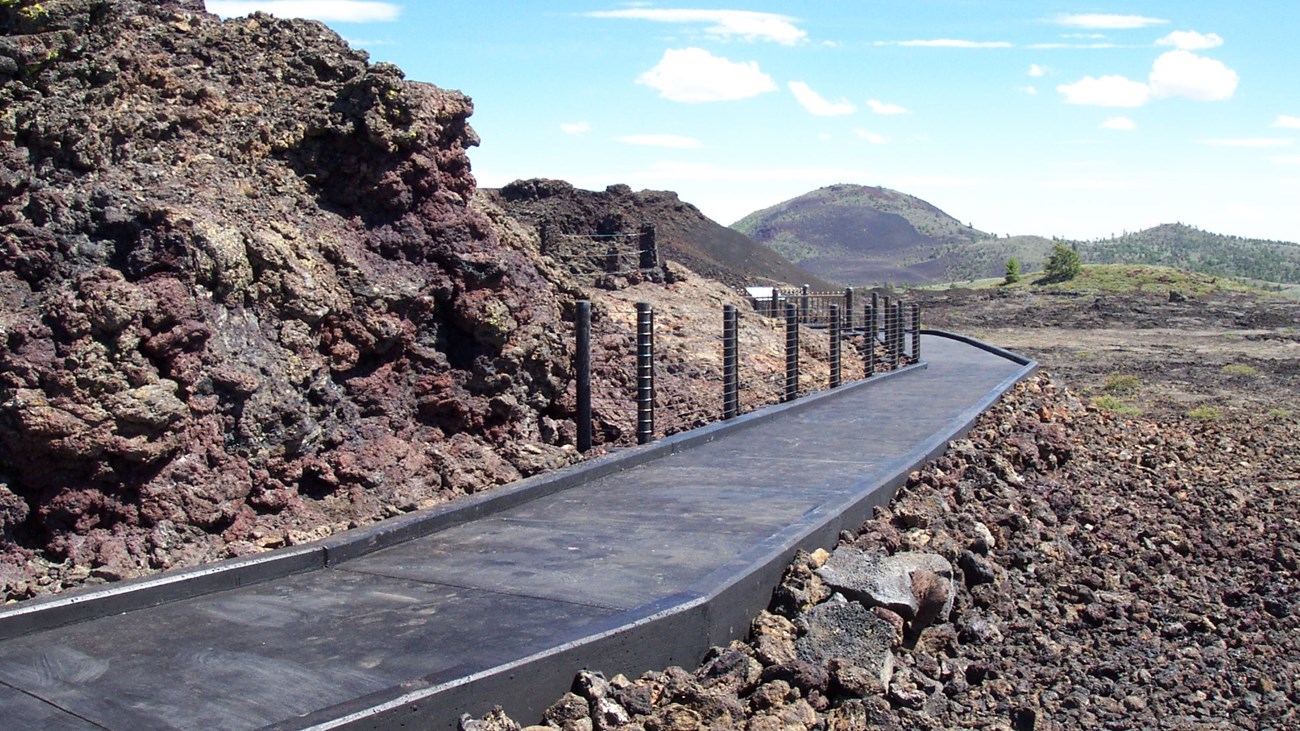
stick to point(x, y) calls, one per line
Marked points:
point(243, 299)
point(1133, 573)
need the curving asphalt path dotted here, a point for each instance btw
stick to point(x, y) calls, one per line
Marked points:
point(631, 562)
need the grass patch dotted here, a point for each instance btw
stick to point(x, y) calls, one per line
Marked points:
point(1206, 413)
point(1121, 384)
point(1115, 405)
point(1278, 414)
point(1240, 370)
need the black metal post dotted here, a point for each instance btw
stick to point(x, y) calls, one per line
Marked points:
point(582, 330)
point(791, 352)
point(648, 249)
point(803, 305)
point(835, 346)
point(869, 338)
point(848, 308)
point(645, 373)
point(611, 257)
point(896, 352)
point(730, 362)
point(776, 298)
point(916, 333)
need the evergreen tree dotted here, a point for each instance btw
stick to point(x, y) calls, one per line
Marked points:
point(1013, 271)
point(1063, 265)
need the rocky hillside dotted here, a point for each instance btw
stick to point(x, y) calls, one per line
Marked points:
point(862, 236)
point(243, 298)
point(1187, 247)
point(683, 234)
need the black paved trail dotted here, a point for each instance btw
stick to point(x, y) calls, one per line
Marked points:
point(683, 549)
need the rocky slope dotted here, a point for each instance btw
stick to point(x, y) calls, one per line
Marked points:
point(683, 234)
point(1063, 567)
point(243, 298)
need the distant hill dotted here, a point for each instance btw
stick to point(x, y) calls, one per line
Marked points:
point(865, 235)
point(683, 233)
point(1187, 247)
point(861, 235)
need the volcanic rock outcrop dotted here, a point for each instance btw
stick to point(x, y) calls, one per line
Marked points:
point(243, 299)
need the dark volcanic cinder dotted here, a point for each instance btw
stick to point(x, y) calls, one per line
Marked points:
point(243, 300)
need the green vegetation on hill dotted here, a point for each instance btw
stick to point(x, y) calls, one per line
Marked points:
point(1187, 247)
point(1125, 279)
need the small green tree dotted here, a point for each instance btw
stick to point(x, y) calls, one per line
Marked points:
point(1013, 271)
point(1063, 265)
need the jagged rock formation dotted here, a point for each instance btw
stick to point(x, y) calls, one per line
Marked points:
point(243, 300)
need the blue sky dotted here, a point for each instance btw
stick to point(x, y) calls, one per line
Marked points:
point(1076, 119)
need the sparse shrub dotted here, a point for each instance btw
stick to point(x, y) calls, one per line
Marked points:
point(1013, 271)
point(1206, 413)
point(1114, 404)
point(1240, 370)
point(1121, 383)
point(1063, 265)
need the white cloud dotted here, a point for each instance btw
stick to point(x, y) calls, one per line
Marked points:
point(1074, 46)
point(880, 107)
point(722, 24)
point(1037, 71)
point(694, 76)
point(327, 11)
point(1183, 73)
point(1107, 91)
point(1253, 142)
point(1119, 123)
point(575, 128)
point(1030, 90)
point(1096, 21)
point(818, 105)
point(674, 142)
point(946, 43)
point(874, 138)
point(1190, 40)
point(1285, 121)
point(1174, 74)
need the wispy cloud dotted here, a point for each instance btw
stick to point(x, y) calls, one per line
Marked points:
point(1252, 142)
point(874, 138)
point(725, 24)
point(1190, 40)
point(1285, 121)
point(1037, 71)
point(880, 107)
point(1072, 46)
point(673, 142)
point(1101, 21)
point(1123, 124)
point(695, 76)
point(817, 104)
point(328, 11)
point(575, 128)
point(946, 43)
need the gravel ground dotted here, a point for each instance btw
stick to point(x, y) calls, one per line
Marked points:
point(1105, 570)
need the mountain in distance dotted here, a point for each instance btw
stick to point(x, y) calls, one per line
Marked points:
point(682, 232)
point(864, 236)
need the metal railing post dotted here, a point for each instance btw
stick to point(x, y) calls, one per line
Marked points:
point(730, 362)
point(848, 308)
point(835, 346)
point(791, 352)
point(803, 305)
point(869, 339)
point(896, 352)
point(582, 331)
point(774, 310)
point(647, 247)
point(645, 373)
point(916, 333)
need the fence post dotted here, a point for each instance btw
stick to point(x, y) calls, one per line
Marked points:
point(730, 362)
point(774, 310)
point(835, 346)
point(543, 237)
point(803, 304)
point(916, 333)
point(611, 257)
point(896, 352)
point(791, 352)
point(869, 334)
point(582, 328)
point(648, 248)
point(645, 373)
point(848, 308)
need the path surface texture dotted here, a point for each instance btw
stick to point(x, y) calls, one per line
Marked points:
point(652, 556)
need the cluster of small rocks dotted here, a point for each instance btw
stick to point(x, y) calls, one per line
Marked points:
point(1061, 567)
